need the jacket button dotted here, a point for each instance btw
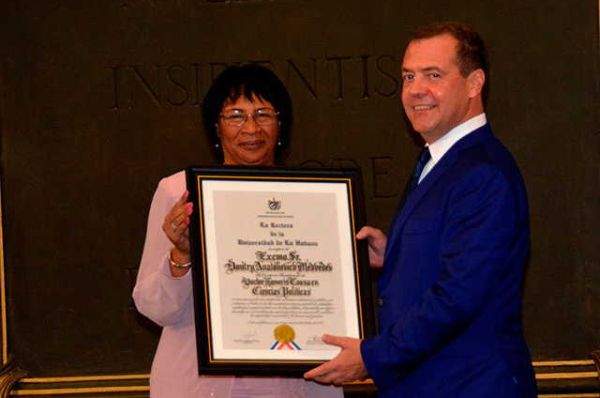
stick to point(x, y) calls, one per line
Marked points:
point(380, 302)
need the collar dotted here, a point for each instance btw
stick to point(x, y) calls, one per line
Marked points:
point(441, 146)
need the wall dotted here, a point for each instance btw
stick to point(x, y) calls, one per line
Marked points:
point(99, 100)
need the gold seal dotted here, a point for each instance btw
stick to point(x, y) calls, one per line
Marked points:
point(284, 333)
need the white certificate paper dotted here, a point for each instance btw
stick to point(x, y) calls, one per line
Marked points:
point(279, 268)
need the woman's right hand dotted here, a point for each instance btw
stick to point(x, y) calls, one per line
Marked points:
point(175, 227)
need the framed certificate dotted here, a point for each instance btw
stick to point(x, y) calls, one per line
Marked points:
point(275, 265)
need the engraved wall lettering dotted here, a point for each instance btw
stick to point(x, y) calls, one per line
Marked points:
point(175, 84)
point(384, 64)
point(121, 88)
point(383, 186)
point(197, 80)
point(168, 85)
point(153, 89)
point(176, 91)
point(340, 74)
point(365, 76)
point(312, 87)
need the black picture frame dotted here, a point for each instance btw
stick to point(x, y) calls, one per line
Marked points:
point(209, 188)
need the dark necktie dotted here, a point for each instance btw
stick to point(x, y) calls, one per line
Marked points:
point(424, 157)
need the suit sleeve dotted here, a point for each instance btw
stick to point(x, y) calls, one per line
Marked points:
point(476, 237)
point(157, 294)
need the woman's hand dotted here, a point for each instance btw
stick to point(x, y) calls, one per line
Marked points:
point(377, 242)
point(175, 227)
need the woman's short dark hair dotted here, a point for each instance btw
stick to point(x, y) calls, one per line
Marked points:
point(246, 80)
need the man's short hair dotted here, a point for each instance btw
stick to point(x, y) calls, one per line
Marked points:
point(470, 51)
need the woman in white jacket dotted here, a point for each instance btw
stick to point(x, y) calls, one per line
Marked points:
point(247, 113)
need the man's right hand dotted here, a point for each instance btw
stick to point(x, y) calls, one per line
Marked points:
point(377, 242)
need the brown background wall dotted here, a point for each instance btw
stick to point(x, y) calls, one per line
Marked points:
point(99, 99)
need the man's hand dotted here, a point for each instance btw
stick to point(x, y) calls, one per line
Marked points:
point(347, 366)
point(377, 242)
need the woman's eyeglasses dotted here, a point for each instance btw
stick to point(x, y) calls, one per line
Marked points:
point(237, 117)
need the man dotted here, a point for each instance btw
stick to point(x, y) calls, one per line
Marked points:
point(453, 264)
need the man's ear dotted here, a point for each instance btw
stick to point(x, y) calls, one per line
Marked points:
point(476, 80)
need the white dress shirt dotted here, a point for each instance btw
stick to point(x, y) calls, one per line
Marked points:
point(439, 148)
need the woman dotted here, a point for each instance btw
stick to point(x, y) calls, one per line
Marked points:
point(247, 112)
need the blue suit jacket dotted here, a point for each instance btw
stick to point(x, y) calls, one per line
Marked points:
point(450, 291)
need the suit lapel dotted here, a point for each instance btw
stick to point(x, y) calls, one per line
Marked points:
point(434, 175)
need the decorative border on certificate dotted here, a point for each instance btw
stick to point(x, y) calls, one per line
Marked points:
point(275, 264)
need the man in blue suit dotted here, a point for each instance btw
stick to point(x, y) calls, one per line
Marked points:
point(453, 264)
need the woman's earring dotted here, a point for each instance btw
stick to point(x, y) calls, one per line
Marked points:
point(279, 143)
point(217, 145)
